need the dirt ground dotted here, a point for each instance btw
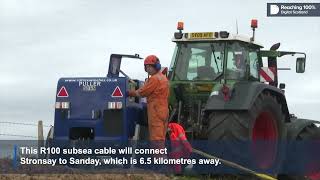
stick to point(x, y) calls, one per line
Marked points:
point(85, 177)
point(113, 177)
point(41, 172)
point(108, 177)
point(61, 173)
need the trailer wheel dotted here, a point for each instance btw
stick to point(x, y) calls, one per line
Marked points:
point(264, 122)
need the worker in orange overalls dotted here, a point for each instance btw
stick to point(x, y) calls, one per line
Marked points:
point(156, 89)
point(180, 147)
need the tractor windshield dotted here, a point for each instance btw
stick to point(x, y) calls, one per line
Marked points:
point(240, 59)
point(199, 61)
point(236, 60)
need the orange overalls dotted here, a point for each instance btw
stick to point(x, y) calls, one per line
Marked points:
point(181, 148)
point(156, 89)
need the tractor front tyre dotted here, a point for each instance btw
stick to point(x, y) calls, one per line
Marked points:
point(263, 123)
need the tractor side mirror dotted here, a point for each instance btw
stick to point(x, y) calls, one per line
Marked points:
point(300, 65)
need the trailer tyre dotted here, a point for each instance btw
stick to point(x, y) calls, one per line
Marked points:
point(265, 122)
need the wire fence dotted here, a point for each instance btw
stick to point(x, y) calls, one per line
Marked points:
point(13, 132)
point(26, 124)
point(17, 135)
point(14, 126)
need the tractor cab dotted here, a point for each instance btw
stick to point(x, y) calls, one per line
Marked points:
point(216, 56)
point(215, 59)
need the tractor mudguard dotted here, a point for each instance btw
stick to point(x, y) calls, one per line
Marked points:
point(296, 126)
point(242, 97)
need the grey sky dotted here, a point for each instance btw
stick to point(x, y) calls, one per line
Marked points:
point(41, 41)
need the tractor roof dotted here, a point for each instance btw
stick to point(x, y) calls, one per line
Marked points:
point(213, 36)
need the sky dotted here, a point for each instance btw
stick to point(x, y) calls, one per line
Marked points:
point(44, 40)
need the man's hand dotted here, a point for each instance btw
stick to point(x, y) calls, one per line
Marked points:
point(131, 93)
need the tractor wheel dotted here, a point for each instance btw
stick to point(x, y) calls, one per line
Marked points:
point(264, 122)
point(309, 133)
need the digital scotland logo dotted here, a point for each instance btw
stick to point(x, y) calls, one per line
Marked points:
point(274, 9)
point(293, 9)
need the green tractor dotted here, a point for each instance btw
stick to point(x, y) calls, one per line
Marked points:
point(222, 90)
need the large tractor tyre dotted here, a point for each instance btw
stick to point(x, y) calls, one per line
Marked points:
point(263, 123)
point(309, 133)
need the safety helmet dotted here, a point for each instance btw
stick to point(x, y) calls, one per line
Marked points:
point(151, 59)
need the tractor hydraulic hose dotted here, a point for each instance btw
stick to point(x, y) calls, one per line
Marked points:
point(173, 113)
point(179, 111)
point(234, 165)
point(199, 112)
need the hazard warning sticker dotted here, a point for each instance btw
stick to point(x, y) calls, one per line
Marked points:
point(267, 74)
point(63, 92)
point(117, 92)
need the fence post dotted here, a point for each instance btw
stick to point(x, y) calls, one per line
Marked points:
point(40, 137)
point(14, 158)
